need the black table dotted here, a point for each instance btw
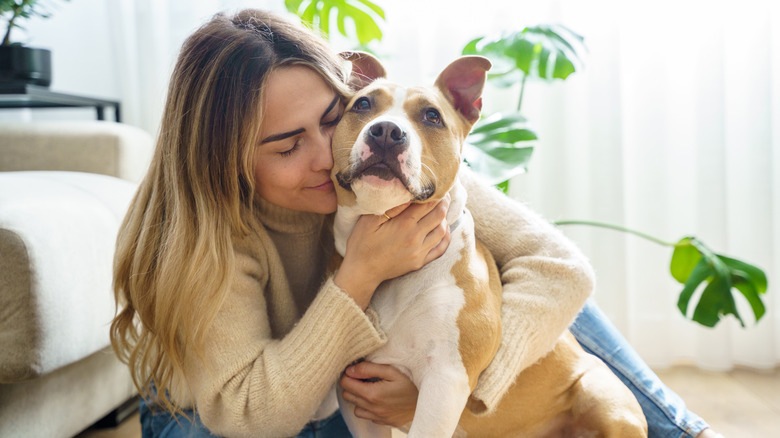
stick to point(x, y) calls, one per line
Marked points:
point(34, 96)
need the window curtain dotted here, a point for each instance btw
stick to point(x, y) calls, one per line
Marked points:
point(672, 129)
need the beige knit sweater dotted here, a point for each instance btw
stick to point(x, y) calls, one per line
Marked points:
point(286, 331)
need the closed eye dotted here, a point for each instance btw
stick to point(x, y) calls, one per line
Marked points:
point(333, 122)
point(290, 151)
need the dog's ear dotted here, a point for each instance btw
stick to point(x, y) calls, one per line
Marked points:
point(462, 82)
point(365, 69)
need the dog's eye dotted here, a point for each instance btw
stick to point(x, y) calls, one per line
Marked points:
point(362, 104)
point(432, 115)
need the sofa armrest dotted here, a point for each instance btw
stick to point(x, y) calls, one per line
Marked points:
point(57, 238)
point(105, 148)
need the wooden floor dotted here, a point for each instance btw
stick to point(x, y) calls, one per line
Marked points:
point(738, 404)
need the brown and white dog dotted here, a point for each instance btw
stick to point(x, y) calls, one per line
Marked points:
point(395, 145)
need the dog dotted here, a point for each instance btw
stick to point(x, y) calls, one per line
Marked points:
point(396, 145)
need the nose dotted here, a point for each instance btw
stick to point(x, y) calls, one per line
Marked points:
point(323, 159)
point(387, 134)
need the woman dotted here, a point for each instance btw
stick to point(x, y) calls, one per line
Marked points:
point(229, 318)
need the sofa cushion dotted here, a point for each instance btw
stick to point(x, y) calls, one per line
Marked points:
point(57, 237)
point(107, 148)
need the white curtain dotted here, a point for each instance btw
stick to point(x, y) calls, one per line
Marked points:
point(673, 129)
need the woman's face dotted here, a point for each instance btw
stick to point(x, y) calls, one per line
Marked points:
point(293, 160)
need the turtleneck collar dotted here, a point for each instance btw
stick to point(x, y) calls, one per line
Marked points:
point(284, 220)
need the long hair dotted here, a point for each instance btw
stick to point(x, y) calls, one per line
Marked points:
point(174, 251)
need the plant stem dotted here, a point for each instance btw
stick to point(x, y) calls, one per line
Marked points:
point(7, 38)
point(16, 11)
point(618, 228)
point(522, 92)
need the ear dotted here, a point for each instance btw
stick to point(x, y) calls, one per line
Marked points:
point(365, 69)
point(462, 83)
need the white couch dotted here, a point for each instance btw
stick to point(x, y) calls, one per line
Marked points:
point(64, 189)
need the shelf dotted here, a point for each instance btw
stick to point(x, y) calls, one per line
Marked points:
point(34, 96)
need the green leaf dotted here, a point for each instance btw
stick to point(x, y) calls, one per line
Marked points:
point(499, 121)
point(495, 171)
point(471, 47)
point(751, 273)
point(324, 20)
point(546, 51)
point(684, 258)
point(293, 5)
point(506, 136)
point(716, 301)
point(698, 274)
point(750, 293)
point(366, 28)
point(307, 16)
point(340, 21)
point(377, 10)
point(318, 15)
point(559, 50)
point(693, 263)
point(524, 52)
point(500, 147)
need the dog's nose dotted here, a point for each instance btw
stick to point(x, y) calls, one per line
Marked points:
point(387, 134)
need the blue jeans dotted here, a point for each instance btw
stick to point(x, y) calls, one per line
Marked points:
point(667, 416)
point(159, 423)
point(156, 422)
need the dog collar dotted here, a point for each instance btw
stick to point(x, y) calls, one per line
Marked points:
point(455, 223)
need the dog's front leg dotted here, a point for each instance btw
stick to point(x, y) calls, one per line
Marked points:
point(443, 393)
point(359, 427)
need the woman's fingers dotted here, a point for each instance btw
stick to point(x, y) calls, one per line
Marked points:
point(380, 248)
point(441, 236)
point(380, 393)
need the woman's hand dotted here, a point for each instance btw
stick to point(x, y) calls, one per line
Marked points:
point(380, 248)
point(389, 398)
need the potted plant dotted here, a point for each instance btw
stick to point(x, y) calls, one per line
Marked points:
point(19, 64)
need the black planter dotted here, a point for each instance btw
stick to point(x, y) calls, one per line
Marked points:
point(24, 65)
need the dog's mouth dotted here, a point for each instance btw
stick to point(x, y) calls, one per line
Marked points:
point(385, 170)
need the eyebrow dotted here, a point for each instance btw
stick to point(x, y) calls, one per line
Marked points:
point(282, 136)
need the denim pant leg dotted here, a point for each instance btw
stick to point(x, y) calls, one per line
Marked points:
point(331, 427)
point(159, 423)
point(667, 416)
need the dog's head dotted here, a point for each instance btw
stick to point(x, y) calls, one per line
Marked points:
point(396, 144)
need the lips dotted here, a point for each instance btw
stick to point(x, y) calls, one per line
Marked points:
point(327, 185)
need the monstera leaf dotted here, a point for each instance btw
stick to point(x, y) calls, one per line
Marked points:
point(318, 14)
point(500, 147)
point(693, 264)
point(545, 51)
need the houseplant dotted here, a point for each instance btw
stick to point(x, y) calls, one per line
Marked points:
point(20, 64)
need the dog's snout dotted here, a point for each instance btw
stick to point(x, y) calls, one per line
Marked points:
point(387, 134)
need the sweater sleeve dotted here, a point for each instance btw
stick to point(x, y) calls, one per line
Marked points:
point(546, 281)
point(252, 383)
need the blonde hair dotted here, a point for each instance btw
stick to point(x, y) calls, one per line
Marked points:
point(174, 251)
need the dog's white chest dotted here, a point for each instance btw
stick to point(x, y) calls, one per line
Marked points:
point(419, 312)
